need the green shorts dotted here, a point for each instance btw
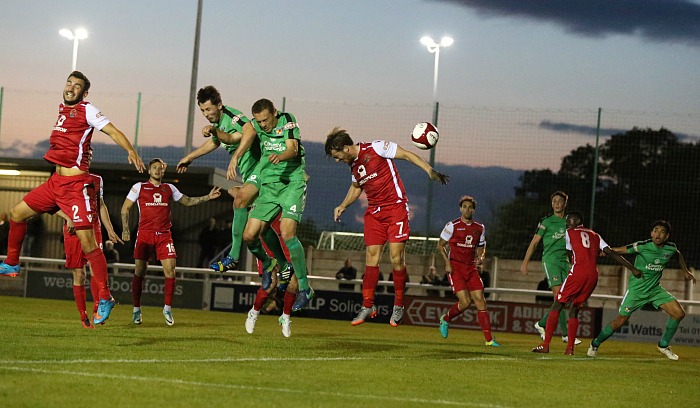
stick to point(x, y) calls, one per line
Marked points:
point(635, 300)
point(556, 271)
point(289, 197)
point(252, 177)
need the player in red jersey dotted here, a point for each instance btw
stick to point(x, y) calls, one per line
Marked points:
point(69, 186)
point(463, 245)
point(386, 219)
point(75, 257)
point(584, 246)
point(154, 237)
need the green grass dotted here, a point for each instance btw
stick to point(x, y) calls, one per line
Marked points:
point(208, 360)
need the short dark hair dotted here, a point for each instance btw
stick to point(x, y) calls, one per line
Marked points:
point(467, 198)
point(662, 223)
point(208, 93)
point(576, 214)
point(337, 139)
point(560, 194)
point(263, 104)
point(156, 160)
point(80, 75)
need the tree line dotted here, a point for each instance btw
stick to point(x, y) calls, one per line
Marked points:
point(643, 175)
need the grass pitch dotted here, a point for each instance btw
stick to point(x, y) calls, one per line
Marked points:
point(208, 360)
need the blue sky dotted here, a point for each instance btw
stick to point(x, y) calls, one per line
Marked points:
point(641, 55)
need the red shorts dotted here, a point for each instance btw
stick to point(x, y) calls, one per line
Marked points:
point(386, 223)
point(75, 257)
point(70, 193)
point(464, 277)
point(577, 288)
point(149, 243)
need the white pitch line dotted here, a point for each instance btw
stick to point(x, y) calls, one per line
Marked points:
point(255, 388)
point(235, 360)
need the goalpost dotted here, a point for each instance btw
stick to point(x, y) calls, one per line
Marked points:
point(354, 241)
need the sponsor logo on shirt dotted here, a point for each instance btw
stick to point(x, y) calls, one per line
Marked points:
point(277, 147)
point(157, 201)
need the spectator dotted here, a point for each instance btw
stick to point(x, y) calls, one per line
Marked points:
point(4, 232)
point(347, 272)
point(433, 279)
point(545, 299)
point(111, 254)
point(208, 241)
point(225, 238)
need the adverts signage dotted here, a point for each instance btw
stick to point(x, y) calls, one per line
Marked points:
point(59, 285)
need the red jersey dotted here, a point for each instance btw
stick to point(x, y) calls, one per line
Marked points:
point(374, 169)
point(464, 238)
point(154, 204)
point(585, 244)
point(72, 134)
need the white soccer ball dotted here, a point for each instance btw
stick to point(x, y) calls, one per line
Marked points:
point(425, 135)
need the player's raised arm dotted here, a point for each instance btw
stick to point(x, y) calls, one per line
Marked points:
point(208, 147)
point(418, 161)
point(119, 138)
point(190, 201)
point(622, 261)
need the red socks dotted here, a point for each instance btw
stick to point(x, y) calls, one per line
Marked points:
point(98, 267)
point(260, 299)
point(453, 312)
point(552, 322)
point(400, 278)
point(79, 295)
point(14, 241)
point(136, 290)
point(485, 323)
point(571, 332)
point(169, 290)
point(369, 284)
point(95, 290)
point(289, 299)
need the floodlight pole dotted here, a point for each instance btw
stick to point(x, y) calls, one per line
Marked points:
point(193, 80)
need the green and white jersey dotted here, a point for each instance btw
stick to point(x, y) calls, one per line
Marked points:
point(552, 229)
point(232, 121)
point(274, 142)
point(651, 260)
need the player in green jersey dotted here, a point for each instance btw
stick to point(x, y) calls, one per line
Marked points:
point(227, 128)
point(555, 261)
point(283, 189)
point(651, 258)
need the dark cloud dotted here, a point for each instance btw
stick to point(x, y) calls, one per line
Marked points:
point(673, 21)
point(563, 127)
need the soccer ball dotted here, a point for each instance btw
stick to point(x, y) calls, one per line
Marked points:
point(425, 135)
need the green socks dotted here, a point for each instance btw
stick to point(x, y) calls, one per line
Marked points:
point(671, 327)
point(296, 252)
point(240, 218)
point(604, 335)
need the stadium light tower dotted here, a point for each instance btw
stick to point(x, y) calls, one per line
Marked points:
point(434, 48)
point(79, 34)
